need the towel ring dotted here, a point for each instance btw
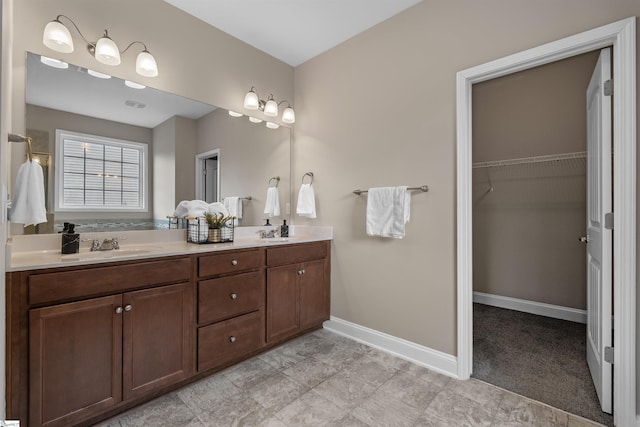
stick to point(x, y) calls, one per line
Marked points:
point(309, 174)
point(277, 178)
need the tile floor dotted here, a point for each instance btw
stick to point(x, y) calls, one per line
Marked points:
point(323, 379)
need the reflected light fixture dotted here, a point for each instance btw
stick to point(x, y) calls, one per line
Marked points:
point(255, 120)
point(133, 85)
point(272, 125)
point(235, 114)
point(269, 107)
point(57, 37)
point(55, 63)
point(98, 74)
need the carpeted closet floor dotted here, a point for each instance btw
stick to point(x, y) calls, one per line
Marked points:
point(537, 357)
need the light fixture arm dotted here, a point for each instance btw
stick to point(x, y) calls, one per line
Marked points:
point(77, 29)
point(131, 44)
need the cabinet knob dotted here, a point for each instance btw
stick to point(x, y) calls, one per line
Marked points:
point(234, 262)
point(233, 296)
point(232, 339)
point(301, 272)
point(128, 307)
point(118, 310)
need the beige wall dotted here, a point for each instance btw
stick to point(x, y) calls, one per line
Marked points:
point(164, 168)
point(379, 109)
point(525, 231)
point(250, 154)
point(48, 120)
point(186, 136)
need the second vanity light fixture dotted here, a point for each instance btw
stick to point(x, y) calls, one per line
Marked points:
point(57, 37)
point(269, 107)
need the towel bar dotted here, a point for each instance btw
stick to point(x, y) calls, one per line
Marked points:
point(422, 188)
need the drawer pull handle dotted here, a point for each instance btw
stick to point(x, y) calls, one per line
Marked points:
point(233, 296)
point(232, 339)
point(118, 310)
point(128, 307)
point(234, 262)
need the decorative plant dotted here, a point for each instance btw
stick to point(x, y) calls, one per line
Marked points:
point(217, 221)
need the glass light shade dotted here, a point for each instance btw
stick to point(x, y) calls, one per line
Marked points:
point(146, 64)
point(55, 63)
point(288, 115)
point(255, 120)
point(133, 85)
point(272, 125)
point(98, 74)
point(57, 37)
point(235, 114)
point(107, 52)
point(271, 108)
point(251, 101)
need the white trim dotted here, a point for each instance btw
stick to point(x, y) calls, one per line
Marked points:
point(620, 35)
point(433, 359)
point(532, 307)
point(200, 158)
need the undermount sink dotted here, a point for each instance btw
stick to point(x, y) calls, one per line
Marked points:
point(115, 253)
point(275, 240)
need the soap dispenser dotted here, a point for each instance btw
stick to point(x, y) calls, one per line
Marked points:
point(284, 229)
point(70, 241)
point(267, 224)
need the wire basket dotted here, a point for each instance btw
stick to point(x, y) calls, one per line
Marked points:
point(198, 231)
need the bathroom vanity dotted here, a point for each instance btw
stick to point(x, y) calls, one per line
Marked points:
point(90, 340)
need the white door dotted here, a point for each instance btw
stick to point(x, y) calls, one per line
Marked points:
point(599, 251)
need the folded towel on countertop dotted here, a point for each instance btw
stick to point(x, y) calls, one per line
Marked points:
point(306, 201)
point(272, 206)
point(388, 210)
point(28, 205)
point(198, 208)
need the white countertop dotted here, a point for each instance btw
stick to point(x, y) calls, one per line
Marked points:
point(31, 252)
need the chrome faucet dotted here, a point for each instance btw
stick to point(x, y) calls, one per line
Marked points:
point(106, 245)
point(264, 234)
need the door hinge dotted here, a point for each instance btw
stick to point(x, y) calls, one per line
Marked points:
point(608, 355)
point(608, 87)
point(608, 221)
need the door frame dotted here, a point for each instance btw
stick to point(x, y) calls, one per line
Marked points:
point(621, 36)
point(200, 159)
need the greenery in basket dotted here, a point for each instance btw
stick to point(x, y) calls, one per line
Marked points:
point(217, 221)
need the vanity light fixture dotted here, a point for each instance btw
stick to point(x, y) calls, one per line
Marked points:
point(269, 107)
point(235, 114)
point(56, 36)
point(255, 120)
point(272, 125)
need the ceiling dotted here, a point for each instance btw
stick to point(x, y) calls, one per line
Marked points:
point(293, 31)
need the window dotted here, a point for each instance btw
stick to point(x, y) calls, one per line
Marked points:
point(96, 173)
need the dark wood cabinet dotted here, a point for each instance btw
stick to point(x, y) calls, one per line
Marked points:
point(87, 342)
point(75, 363)
point(298, 295)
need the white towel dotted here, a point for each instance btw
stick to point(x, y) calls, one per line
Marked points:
point(388, 210)
point(195, 208)
point(272, 206)
point(28, 202)
point(217, 208)
point(306, 201)
point(234, 206)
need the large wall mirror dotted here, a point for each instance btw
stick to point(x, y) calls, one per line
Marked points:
point(234, 156)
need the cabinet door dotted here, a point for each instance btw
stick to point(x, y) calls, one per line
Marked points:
point(75, 361)
point(314, 294)
point(282, 302)
point(156, 338)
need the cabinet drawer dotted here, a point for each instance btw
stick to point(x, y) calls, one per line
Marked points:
point(52, 287)
point(229, 262)
point(229, 296)
point(298, 253)
point(228, 340)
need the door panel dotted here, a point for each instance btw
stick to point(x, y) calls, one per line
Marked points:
point(599, 239)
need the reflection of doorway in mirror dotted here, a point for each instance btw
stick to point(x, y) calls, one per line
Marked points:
point(208, 176)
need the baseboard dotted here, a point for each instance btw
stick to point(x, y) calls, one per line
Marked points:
point(435, 360)
point(539, 308)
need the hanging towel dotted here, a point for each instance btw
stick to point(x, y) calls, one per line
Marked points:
point(388, 210)
point(272, 206)
point(306, 201)
point(234, 206)
point(28, 203)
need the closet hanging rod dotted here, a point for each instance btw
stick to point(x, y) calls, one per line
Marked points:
point(422, 188)
point(530, 160)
